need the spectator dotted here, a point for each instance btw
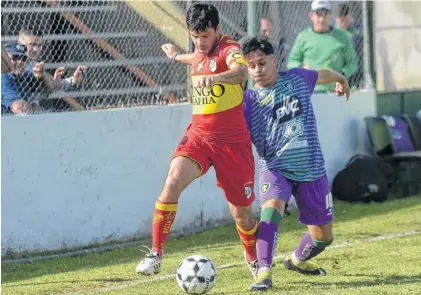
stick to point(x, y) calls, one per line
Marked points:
point(346, 21)
point(323, 47)
point(19, 88)
point(34, 45)
point(241, 34)
point(33, 40)
point(280, 46)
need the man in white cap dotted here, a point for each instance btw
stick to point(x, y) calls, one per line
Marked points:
point(323, 47)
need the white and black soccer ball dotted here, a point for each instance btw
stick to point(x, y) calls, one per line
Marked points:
point(196, 274)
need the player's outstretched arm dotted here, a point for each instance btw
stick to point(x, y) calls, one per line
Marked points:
point(172, 53)
point(235, 75)
point(184, 58)
point(328, 76)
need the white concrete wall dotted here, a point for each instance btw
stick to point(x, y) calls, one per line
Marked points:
point(71, 179)
point(396, 45)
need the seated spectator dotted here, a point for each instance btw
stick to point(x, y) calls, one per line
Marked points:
point(323, 47)
point(33, 40)
point(346, 21)
point(20, 89)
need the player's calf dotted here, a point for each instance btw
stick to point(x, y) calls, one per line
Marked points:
point(247, 231)
point(267, 239)
point(248, 239)
point(246, 228)
point(163, 218)
point(182, 172)
point(267, 233)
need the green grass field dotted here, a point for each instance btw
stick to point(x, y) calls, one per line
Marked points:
point(377, 250)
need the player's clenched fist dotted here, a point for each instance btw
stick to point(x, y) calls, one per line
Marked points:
point(170, 50)
point(205, 81)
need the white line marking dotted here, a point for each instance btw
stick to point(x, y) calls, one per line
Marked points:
point(165, 277)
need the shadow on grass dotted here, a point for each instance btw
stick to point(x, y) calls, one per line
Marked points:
point(213, 239)
point(47, 282)
point(380, 281)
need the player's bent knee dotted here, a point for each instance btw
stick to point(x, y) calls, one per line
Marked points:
point(276, 203)
point(243, 216)
point(322, 232)
point(182, 172)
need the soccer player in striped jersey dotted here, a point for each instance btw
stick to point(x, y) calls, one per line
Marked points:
point(280, 117)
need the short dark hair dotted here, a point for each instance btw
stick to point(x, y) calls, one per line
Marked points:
point(257, 43)
point(343, 10)
point(201, 16)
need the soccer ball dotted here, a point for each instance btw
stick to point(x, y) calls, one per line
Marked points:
point(196, 274)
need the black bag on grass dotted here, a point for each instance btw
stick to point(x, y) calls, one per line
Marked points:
point(364, 179)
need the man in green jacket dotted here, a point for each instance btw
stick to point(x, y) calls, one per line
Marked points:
point(323, 47)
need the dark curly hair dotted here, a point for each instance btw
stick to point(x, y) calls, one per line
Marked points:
point(257, 43)
point(201, 16)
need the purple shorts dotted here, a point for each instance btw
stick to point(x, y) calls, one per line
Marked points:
point(313, 199)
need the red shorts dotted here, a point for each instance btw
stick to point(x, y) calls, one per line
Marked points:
point(233, 164)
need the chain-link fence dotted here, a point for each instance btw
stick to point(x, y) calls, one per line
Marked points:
point(106, 54)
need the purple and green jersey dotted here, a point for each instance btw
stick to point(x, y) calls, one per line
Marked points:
point(283, 126)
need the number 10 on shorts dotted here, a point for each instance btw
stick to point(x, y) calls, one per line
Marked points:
point(329, 201)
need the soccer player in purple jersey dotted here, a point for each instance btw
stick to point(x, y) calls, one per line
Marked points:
point(283, 129)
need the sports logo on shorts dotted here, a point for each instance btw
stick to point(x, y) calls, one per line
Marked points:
point(247, 192)
point(212, 65)
point(265, 187)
